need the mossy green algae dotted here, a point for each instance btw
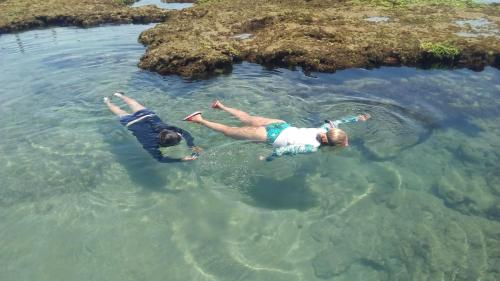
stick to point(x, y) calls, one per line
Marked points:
point(441, 50)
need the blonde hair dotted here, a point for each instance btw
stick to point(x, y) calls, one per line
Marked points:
point(337, 137)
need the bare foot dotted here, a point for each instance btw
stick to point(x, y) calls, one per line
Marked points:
point(216, 104)
point(118, 94)
point(106, 100)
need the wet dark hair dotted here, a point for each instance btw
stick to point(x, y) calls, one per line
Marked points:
point(168, 138)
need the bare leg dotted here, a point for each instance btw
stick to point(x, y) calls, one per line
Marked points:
point(115, 109)
point(245, 118)
point(240, 133)
point(133, 104)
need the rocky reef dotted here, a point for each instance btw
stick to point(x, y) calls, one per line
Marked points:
point(322, 36)
point(178, 1)
point(18, 15)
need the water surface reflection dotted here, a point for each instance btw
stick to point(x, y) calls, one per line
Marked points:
point(414, 197)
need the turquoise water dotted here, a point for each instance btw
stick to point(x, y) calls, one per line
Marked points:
point(415, 197)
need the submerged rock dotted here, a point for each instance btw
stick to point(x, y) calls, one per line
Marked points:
point(494, 184)
point(469, 196)
point(331, 262)
point(455, 198)
point(494, 211)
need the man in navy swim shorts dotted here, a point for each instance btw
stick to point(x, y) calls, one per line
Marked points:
point(150, 130)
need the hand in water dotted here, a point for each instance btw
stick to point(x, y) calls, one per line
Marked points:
point(196, 153)
point(364, 117)
point(190, 158)
point(216, 104)
point(196, 149)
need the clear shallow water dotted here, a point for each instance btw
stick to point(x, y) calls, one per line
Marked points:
point(160, 4)
point(415, 196)
point(477, 27)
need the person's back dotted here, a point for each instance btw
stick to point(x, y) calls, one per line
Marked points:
point(298, 136)
point(151, 131)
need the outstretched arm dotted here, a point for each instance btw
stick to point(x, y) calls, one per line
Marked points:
point(166, 159)
point(187, 136)
point(346, 120)
point(156, 153)
point(190, 143)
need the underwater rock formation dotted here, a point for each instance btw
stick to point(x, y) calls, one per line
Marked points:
point(318, 36)
point(469, 196)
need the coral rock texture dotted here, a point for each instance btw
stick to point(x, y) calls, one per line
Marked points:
point(321, 35)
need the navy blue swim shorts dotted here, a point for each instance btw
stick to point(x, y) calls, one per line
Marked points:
point(137, 116)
